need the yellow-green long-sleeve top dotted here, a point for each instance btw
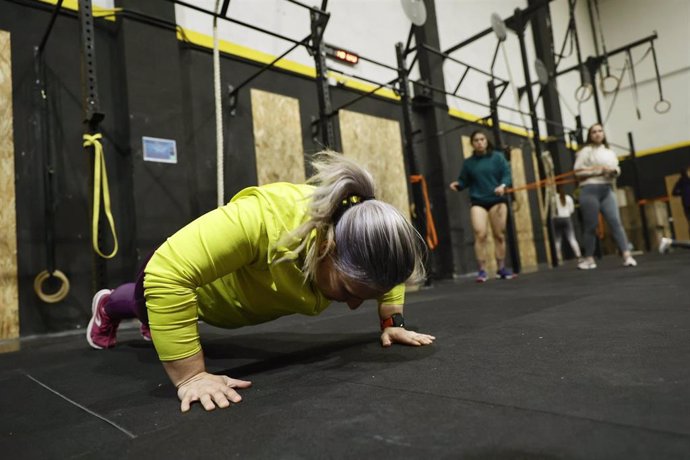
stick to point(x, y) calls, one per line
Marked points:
point(222, 268)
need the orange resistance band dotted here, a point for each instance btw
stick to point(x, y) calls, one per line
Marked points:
point(645, 201)
point(431, 237)
point(559, 179)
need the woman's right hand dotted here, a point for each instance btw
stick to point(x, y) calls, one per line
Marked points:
point(210, 390)
point(609, 173)
point(455, 186)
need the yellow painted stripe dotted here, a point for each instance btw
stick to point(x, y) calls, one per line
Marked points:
point(662, 149)
point(365, 87)
point(206, 41)
point(244, 52)
point(98, 12)
point(504, 126)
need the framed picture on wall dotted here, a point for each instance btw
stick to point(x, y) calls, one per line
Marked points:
point(159, 150)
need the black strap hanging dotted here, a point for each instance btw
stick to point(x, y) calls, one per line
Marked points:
point(609, 83)
point(44, 143)
point(633, 81)
point(662, 105)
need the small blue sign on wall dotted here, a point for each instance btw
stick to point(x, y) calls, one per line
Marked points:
point(159, 150)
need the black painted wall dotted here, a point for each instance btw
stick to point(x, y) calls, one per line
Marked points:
point(652, 169)
point(72, 193)
point(152, 84)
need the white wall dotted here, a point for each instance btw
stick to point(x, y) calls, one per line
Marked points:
point(371, 28)
point(625, 21)
point(569, 82)
point(459, 20)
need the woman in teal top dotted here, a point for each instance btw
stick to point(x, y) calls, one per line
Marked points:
point(487, 174)
point(274, 250)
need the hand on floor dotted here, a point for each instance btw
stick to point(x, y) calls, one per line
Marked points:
point(401, 335)
point(210, 390)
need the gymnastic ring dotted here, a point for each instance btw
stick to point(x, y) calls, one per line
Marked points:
point(57, 296)
point(584, 92)
point(662, 106)
point(609, 84)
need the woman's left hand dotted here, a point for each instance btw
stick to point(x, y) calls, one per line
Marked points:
point(500, 190)
point(392, 335)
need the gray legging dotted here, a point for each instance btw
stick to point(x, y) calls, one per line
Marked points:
point(593, 199)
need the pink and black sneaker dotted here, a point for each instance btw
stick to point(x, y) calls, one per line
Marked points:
point(102, 330)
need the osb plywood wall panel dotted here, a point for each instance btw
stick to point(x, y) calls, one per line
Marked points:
point(375, 143)
point(9, 298)
point(680, 222)
point(277, 138)
point(542, 215)
point(522, 214)
point(466, 146)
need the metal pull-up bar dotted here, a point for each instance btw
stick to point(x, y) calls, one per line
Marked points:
point(49, 29)
point(510, 22)
point(313, 9)
point(234, 21)
point(622, 49)
point(235, 89)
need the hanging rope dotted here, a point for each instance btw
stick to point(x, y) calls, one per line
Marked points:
point(220, 180)
point(431, 236)
point(100, 183)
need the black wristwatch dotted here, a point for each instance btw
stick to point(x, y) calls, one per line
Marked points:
point(395, 320)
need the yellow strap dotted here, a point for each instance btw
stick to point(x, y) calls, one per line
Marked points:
point(99, 171)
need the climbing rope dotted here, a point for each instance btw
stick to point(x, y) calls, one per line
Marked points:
point(220, 180)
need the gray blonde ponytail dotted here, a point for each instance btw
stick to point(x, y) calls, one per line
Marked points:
point(370, 241)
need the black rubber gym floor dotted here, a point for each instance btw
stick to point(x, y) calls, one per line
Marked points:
point(555, 364)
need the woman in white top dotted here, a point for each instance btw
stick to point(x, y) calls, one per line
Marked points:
point(596, 167)
point(563, 225)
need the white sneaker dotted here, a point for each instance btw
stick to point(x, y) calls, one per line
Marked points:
point(629, 262)
point(585, 264)
point(665, 245)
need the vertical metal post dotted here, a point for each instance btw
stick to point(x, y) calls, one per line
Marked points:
point(638, 193)
point(542, 35)
point(580, 129)
point(520, 31)
point(42, 137)
point(92, 115)
point(408, 145)
point(511, 234)
point(318, 25)
point(592, 65)
point(404, 92)
point(495, 121)
point(432, 115)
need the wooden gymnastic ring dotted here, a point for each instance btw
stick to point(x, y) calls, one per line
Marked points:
point(56, 296)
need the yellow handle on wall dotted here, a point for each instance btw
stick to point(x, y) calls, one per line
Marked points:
point(100, 182)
